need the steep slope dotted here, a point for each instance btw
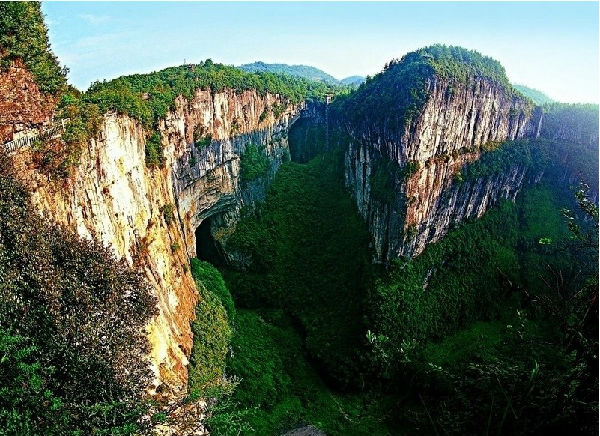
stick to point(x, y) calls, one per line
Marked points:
point(304, 71)
point(413, 127)
point(148, 214)
point(538, 97)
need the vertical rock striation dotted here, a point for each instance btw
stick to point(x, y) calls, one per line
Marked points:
point(114, 197)
point(421, 159)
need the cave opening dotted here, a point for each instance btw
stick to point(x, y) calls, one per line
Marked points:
point(207, 248)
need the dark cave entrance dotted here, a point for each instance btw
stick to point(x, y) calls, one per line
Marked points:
point(207, 248)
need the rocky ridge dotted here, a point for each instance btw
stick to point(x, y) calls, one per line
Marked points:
point(148, 216)
point(455, 123)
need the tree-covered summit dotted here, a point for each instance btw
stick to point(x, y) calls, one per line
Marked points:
point(536, 95)
point(148, 97)
point(399, 91)
point(305, 71)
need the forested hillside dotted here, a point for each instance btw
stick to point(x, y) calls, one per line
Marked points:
point(266, 250)
point(538, 97)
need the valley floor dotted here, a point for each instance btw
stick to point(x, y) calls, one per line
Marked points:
point(464, 339)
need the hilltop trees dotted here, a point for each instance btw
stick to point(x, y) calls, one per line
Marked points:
point(24, 35)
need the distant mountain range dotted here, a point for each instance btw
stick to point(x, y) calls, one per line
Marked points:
point(538, 97)
point(305, 71)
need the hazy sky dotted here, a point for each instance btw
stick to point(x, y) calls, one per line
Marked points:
point(549, 46)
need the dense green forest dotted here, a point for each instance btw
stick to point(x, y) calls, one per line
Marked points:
point(24, 36)
point(395, 96)
point(442, 343)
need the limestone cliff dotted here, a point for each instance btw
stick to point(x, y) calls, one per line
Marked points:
point(456, 121)
point(148, 216)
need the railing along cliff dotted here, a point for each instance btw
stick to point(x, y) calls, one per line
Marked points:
point(56, 129)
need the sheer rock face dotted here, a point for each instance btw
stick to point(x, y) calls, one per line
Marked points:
point(456, 120)
point(114, 197)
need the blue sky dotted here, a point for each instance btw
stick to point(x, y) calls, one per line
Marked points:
point(549, 46)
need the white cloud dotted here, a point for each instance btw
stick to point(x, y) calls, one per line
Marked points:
point(94, 19)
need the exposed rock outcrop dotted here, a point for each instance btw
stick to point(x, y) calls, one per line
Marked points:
point(148, 216)
point(455, 123)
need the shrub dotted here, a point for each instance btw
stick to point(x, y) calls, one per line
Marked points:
point(23, 35)
point(27, 405)
point(202, 142)
point(254, 163)
point(154, 151)
point(212, 329)
point(168, 213)
point(83, 312)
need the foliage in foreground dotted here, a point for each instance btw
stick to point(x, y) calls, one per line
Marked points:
point(24, 35)
point(71, 327)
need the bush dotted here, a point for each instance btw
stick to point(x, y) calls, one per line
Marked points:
point(168, 213)
point(23, 35)
point(154, 151)
point(27, 405)
point(254, 163)
point(212, 329)
point(84, 313)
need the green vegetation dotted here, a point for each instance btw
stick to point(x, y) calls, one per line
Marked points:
point(395, 96)
point(212, 280)
point(168, 213)
point(24, 35)
point(70, 315)
point(484, 337)
point(538, 97)
point(254, 163)
point(148, 97)
point(212, 330)
point(318, 284)
point(202, 142)
point(154, 151)
point(280, 389)
point(440, 344)
point(304, 71)
point(533, 155)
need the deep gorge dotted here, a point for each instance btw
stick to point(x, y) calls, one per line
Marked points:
point(210, 250)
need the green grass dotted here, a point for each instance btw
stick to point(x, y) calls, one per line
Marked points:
point(212, 329)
